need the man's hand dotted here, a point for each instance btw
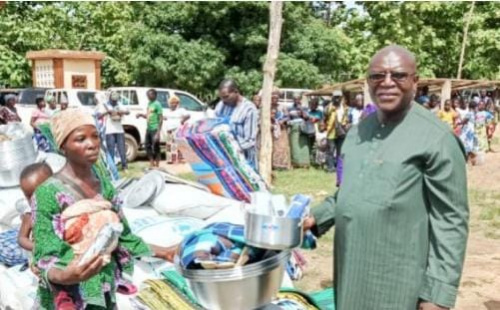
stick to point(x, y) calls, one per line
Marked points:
point(430, 306)
point(309, 222)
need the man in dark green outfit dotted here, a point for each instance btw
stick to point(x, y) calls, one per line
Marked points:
point(154, 118)
point(401, 212)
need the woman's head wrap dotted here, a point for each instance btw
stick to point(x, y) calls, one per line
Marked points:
point(65, 122)
point(173, 99)
point(49, 98)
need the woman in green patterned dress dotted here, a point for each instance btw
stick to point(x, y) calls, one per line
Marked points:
point(93, 284)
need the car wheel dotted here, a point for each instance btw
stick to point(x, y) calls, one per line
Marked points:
point(131, 147)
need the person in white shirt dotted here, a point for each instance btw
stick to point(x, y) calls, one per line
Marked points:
point(175, 117)
point(112, 112)
point(462, 109)
point(355, 112)
point(52, 106)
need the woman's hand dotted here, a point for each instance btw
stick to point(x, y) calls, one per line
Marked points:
point(35, 270)
point(74, 273)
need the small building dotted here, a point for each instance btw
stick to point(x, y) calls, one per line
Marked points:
point(66, 69)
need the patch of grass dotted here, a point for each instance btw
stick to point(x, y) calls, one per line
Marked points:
point(135, 169)
point(313, 182)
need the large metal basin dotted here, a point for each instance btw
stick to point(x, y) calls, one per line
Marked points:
point(243, 288)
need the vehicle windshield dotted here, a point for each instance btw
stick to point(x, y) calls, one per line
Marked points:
point(189, 103)
point(162, 97)
point(28, 96)
point(87, 98)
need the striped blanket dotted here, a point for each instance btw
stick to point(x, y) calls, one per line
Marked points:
point(217, 160)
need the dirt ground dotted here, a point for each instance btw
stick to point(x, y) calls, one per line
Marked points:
point(480, 285)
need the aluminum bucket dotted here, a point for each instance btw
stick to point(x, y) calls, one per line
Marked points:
point(272, 232)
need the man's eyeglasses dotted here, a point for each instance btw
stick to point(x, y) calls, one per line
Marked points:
point(395, 76)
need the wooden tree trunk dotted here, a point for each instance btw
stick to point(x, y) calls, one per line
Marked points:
point(273, 47)
point(464, 42)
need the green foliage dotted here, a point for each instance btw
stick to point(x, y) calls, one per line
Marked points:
point(192, 46)
point(434, 32)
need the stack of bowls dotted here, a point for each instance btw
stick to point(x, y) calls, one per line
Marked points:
point(15, 154)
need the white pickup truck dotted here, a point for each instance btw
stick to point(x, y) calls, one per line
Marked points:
point(135, 98)
point(76, 98)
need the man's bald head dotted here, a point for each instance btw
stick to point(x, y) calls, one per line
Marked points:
point(229, 84)
point(392, 80)
point(389, 52)
point(229, 92)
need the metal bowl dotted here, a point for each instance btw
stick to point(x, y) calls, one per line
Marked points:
point(243, 288)
point(272, 232)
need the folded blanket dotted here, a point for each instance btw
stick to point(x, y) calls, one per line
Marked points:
point(11, 253)
point(84, 220)
point(293, 299)
point(217, 243)
point(325, 299)
point(163, 295)
point(217, 160)
point(230, 146)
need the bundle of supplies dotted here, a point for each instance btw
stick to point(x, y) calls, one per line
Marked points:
point(217, 160)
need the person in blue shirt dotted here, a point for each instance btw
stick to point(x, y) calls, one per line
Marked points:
point(313, 118)
point(243, 117)
point(423, 95)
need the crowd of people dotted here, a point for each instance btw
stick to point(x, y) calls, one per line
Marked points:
point(473, 120)
point(313, 135)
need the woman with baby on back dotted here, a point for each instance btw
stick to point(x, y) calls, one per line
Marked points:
point(65, 282)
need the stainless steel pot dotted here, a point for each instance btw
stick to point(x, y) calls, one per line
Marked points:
point(15, 155)
point(243, 288)
point(272, 232)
